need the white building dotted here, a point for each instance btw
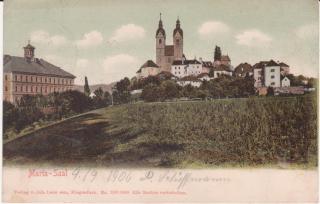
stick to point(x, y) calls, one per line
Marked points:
point(272, 74)
point(149, 68)
point(220, 70)
point(285, 82)
point(268, 73)
point(182, 68)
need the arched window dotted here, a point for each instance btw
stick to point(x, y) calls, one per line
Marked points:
point(177, 40)
point(160, 41)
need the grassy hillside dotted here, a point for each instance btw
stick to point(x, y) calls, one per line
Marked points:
point(229, 132)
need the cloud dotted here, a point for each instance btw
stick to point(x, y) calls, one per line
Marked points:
point(91, 39)
point(253, 38)
point(82, 63)
point(307, 31)
point(128, 32)
point(43, 37)
point(119, 66)
point(211, 28)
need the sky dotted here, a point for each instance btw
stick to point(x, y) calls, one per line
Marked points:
point(107, 40)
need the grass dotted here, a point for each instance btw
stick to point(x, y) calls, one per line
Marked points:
point(247, 133)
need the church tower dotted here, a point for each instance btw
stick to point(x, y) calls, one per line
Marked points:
point(160, 44)
point(178, 41)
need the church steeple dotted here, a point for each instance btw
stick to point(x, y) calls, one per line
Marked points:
point(178, 41)
point(178, 28)
point(160, 28)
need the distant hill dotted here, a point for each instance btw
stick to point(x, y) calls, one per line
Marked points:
point(105, 87)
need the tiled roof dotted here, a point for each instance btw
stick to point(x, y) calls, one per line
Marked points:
point(207, 64)
point(149, 63)
point(202, 75)
point(283, 64)
point(36, 66)
point(185, 62)
point(246, 68)
point(272, 63)
point(29, 46)
point(260, 65)
point(169, 50)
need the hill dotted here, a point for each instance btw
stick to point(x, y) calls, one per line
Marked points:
point(105, 87)
point(228, 132)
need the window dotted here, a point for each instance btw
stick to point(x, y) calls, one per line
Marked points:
point(272, 83)
point(16, 88)
point(177, 41)
point(6, 77)
point(15, 78)
point(36, 89)
point(20, 77)
point(160, 41)
point(272, 70)
point(26, 78)
point(6, 88)
point(272, 77)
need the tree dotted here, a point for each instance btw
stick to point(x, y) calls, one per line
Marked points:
point(217, 53)
point(170, 89)
point(107, 98)
point(121, 93)
point(86, 87)
point(151, 93)
point(98, 93)
point(270, 91)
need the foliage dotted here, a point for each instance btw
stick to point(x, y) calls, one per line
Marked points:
point(121, 91)
point(31, 108)
point(86, 87)
point(217, 53)
point(243, 131)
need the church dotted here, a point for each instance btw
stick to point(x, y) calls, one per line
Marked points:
point(165, 54)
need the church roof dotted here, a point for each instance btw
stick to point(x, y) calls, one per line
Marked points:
point(160, 28)
point(225, 58)
point(36, 66)
point(169, 50)
point(178, 29)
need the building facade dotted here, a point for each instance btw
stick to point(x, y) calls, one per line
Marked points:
point(243, 69)
point(166, 54)
point(183, 68)
point(149, 68)
point(268, 74)
point(30, 76)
